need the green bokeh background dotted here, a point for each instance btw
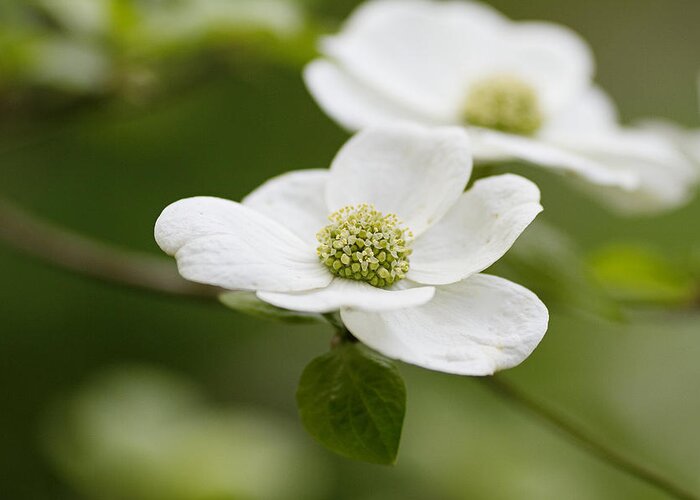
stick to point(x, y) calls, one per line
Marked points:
point(110, 171)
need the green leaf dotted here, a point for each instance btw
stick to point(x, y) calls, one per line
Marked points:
point(353, 401)
point(636, 274)
point(249, 303)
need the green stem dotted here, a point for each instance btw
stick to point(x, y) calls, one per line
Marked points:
point(334, 320)
point(342, 334)
point(585, 439)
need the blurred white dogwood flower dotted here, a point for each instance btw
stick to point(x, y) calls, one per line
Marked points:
point(687, 141)
point(192, 19)
point(660, 155)
point(176, 20)
point(519, 87)
point(400, 254)
point(93, 46)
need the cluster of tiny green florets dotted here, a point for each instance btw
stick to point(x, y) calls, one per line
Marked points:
point(363, 244)
point(504, 103)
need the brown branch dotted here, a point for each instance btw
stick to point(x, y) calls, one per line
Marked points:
point(79, 254)
point(585, 439)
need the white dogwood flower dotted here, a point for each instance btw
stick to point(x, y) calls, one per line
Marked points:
point(687, 141)
point(664, 158)
point(387, 237)
point(463, 63)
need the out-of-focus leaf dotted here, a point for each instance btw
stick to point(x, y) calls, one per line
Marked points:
point(249, 303)
point(144, 434)
point(548, 262)
point(695, 262)
point(353, 401)
point(636, 274)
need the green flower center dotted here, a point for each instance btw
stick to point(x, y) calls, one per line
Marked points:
point(363, 244)
point(505, 103)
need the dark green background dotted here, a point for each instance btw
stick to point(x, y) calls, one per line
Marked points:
point(109, 172)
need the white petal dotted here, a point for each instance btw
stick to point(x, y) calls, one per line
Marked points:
point(477, 231)
point(474, 327)
point(296, 200)
point(556, 158)
point(344, 293)
point(415, 172)
point(591, 113)
point(350, 102)
point(687, 141)
point(553, 58)
point(419, 52)
point(667, 178)
point(224, 243)
point(652, 154)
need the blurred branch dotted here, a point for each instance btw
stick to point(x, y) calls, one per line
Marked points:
point(585, 439)
point(87, 257)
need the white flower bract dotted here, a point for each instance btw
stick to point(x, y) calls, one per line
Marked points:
point(439, 312)
point(518, 87)
point(661, 156)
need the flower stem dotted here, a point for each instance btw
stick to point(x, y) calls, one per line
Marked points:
point(82, 255)
point(342, 334)
point(582, 437)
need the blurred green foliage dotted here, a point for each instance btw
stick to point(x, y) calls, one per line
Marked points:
point(552, 265)
point(109, 170)
point(56, 53)
point(144, 434)
point(639, 275)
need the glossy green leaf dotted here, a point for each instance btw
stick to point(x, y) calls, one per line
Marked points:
point(353, 401)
